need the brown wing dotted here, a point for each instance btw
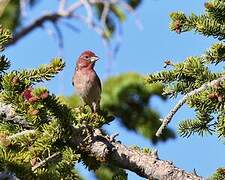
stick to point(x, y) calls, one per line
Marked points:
point(72, 82)
point(73, 77)
point(99, 83)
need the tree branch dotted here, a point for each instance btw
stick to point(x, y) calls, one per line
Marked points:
point(62, 4)
point(94, 143)
point(52, 17)
point(143, 164)
point(22, 133)
point(68, 12)
point(7, 114)
point(88, 8)
point(37, 23)
point(42, 163)
point(105, 13)
point(182, 101)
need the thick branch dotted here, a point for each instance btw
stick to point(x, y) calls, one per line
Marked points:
point(53, 17)
point(94, 143)
point(37, 23)
point(145, 165)
point(69, 12)
point(182, 101)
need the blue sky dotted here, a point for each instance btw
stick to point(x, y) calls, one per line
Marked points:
point(142, 51)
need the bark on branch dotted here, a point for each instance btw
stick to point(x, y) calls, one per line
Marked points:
point(52, 17)
point(111, 151)
point(182, 101)
point(145, 165)
point(37, 23)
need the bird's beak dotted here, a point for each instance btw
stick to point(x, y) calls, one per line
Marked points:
point(94, 58)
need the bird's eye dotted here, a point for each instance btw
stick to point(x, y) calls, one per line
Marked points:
point(86, 57)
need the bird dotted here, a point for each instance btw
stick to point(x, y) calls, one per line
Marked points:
point(86, 81)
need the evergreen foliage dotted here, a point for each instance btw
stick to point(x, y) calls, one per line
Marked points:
point(195, 72)
point(39, 145)
point(11, 16)
point(218, 175)
point(41, 148)
point(127, 98)
point(110, 173)
point(116, 13)
point(5, 36)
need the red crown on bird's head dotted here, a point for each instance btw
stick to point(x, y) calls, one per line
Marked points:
point(87, 53)
point(87, 59)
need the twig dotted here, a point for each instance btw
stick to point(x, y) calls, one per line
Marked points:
point(23, 7)
point(59, 36)
point(132, 11)
point(18, 121)
point(37, 23)
point(42, 163)
point(89, 12)
point(181, 102)
point(53, 17)
point(99, 145)
point(26, 132)
point(68, 12)
point(74, 6)
point(95, 1)
point(7, 114)
point(105, 13)
point(93, 25)
point(71, 26)
point(62, 4)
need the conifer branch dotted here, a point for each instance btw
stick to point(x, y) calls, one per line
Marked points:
point(42, 163)
point(5, 37)
point(100, 146)
point(26, 132)
point(7, 115)
point(144, 164)
point(17, 121)
point(182, 101)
